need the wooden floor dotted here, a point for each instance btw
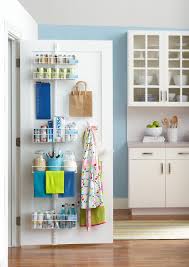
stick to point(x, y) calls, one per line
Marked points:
point(143, 253)
point(154, 253)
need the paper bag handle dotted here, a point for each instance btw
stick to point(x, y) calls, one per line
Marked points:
point(76, 87)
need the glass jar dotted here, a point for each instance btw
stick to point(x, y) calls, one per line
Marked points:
point(40, 162)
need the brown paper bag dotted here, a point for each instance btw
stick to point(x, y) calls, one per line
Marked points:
point(80, 101)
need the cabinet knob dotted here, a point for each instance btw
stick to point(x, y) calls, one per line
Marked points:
point(147, 153)
point(183, 153)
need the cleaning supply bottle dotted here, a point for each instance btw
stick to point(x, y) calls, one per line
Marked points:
point(69, 217)
point(62, 217)
point(66, 215)
point(73, 213)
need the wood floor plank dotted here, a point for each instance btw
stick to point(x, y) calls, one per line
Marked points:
point(134, 253)
point(144, 253)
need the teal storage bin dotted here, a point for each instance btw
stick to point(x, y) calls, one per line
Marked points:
point(54, 164)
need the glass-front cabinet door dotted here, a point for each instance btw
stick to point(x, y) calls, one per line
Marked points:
point(144, 64)
point(158, 68)
point(178, 69)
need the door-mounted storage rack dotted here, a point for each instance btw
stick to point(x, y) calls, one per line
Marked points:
point(54, 66)
point(50, 66)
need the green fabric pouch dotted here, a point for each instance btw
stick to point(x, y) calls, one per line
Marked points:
point(97, 216)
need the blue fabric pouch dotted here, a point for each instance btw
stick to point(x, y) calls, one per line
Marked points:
point(43, 101)
point(39, 184)
point(69, 185)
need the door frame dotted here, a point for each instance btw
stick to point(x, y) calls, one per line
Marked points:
point(13, 157)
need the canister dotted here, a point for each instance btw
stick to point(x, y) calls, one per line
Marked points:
point(40, 163)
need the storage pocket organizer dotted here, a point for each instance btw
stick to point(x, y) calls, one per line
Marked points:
point(69, 185)
point(39, 184)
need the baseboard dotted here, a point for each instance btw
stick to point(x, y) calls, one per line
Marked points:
point(120, 203)
point(161, 211)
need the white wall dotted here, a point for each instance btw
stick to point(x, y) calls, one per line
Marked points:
point(144, 13)
point(18, 20)
point(141, 116)
point(14, 19)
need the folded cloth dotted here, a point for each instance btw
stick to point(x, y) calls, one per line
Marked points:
point(54, 182)
point(97, 216)
point(69, 184)
point(39, 184)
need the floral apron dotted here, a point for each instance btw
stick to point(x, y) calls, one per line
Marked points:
point(91, 184)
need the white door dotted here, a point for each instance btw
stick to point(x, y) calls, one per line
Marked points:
point(94, 67)
point(146, 183)
point(177, 183)
point(4, 147)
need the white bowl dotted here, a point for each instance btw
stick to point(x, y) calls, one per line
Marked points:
point(139, 79)
point(183, 98)
point(176, 79)
point(171, 96)
point(154, 131)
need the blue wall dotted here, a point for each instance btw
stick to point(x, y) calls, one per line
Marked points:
point(119, 37)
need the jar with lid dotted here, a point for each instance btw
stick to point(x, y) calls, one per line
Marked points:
point(70, 162)
point(39, 161)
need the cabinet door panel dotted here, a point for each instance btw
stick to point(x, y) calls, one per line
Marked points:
point(177, 183)
point(146, 183)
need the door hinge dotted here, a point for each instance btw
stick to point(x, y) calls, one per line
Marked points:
point(18, 141)
point(18, 62)
point(18, 221)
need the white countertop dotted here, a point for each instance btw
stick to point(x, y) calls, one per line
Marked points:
point(166, 144)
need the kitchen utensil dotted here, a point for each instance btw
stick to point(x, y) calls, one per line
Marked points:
point(165, 122)
point(154, 131)
point(175, 121)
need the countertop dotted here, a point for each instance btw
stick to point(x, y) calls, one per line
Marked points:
point(160, 145)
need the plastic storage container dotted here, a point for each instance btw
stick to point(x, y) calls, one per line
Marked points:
point(54, 164)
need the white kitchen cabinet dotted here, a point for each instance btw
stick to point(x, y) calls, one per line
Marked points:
point(158, 68)
point(177, 178)
point(177, 183)
point(158, 177)
point(147, 183)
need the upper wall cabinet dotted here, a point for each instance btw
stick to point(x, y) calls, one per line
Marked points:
point(158, 68)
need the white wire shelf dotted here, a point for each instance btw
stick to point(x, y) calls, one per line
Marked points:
point(46, 59)
point(37, 76)
point(54, 135)
point(69, 168)
point(50, 221)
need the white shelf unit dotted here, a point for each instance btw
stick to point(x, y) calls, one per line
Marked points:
point(51, 135)
point(52, 66)
point(159, 76)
